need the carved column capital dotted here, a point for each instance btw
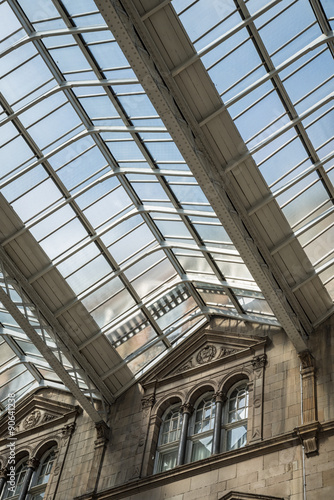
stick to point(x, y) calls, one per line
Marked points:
point(187, 408)
point(33, 463)
point(219, 397)
point(68, 429)
point(147, 401)
point(306, 360)
point(66, 432)
point(3, 472)
point(102, 433)
point(259, 361)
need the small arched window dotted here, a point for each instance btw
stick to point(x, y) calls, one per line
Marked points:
point(20, 474)
point(169, 437)
point(201, 428)
point(42, 475)
point(235, 418)
point(214, 427)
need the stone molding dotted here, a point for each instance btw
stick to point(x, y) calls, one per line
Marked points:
point(259, 362)
point(234, 495)
point(308, 435)
point(194, 468)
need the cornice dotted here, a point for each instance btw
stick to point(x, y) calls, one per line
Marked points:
point(214, 462)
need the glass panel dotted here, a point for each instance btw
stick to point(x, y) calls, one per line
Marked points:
point(167, 460)
point(143, 359)
point(201, 448)
point(236, 438)
point(45, 469)
point(131, 343)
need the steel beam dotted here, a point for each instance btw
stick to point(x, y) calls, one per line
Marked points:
point(125, 23)
point(34, 308)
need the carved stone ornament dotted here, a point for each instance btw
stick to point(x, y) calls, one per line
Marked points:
point(186, 366)
point(219, 396)
point(56, 470)
point(66, 431)
point(224, 351)
point(306, 359)
point(3, 472)
point(187, 408)
point(47, 417)
point(102, 432)
point(33, 463)
point(206, 354)
point(32, 419)
point(259, 361)
point(308, 434)
point(147, 401)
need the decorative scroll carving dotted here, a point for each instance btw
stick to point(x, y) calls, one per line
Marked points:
point(32, 419)
point(224, 351)
point(147, 402)
point(47, 417)
point(206, 354)
point(259, 361)
point(186, 366)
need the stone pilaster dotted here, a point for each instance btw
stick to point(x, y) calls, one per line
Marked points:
point(256, 388)
point(102, 438)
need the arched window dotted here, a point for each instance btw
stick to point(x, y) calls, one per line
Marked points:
point(42, 475)
point(38, 481)
point(214, 426)
point(235, 418)
point(201, 428)
point(169, 437)
point(20, 474)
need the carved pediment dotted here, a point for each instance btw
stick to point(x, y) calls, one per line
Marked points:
point(205, 349)
point(206, 354)
point(37, 411)
point(36, 417)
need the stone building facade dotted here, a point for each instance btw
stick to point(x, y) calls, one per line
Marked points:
point(280, 447)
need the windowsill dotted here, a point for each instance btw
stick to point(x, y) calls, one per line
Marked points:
point(201, 466)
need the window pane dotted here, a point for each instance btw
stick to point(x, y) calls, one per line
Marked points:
point(202, 448)
point(168, 460)
point(236, 438)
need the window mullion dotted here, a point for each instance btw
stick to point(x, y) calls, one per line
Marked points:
point(219, 398)
point(186, 410)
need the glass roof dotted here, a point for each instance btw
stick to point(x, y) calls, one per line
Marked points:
point(91, 170)
point(280, 96)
